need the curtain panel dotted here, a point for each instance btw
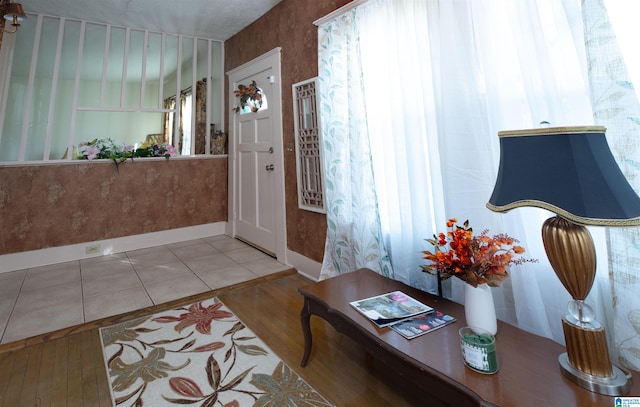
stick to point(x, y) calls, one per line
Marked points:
point(169, 103)
point(201, 117)
point(354, 238)
point(616, 107)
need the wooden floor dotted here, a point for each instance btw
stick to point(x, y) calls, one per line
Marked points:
point(65, 368)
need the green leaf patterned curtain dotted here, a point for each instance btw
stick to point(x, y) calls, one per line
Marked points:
point(354, 237)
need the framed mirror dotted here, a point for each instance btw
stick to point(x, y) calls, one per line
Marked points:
point(308, 146)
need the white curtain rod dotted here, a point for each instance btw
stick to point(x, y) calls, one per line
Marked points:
point(339, 12)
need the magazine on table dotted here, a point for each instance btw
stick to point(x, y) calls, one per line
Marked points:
point(420, 325)
point(386, 309)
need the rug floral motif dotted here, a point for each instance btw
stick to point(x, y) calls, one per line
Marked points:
point(199, 355)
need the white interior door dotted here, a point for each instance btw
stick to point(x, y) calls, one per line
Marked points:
point(256, 143)
point(255, 220)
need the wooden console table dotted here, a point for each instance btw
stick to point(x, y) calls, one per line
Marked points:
point(529, 373)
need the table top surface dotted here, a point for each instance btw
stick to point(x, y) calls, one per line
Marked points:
point(529, 372)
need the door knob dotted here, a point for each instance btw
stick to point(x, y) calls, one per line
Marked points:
point(269, 167)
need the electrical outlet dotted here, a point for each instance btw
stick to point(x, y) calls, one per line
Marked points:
point(92, 249)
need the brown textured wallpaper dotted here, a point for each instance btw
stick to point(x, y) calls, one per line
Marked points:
point(53, 205)
point(289, 25)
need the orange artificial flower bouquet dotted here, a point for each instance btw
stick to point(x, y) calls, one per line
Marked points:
point(475, 260)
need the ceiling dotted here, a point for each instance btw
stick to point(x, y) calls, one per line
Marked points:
point(210, 19)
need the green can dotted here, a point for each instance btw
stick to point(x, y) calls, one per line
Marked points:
point(478, 350)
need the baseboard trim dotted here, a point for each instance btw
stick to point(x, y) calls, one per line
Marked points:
point(61, 254)
point(305, 266)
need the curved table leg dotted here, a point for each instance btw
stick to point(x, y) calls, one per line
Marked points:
point(305, 317)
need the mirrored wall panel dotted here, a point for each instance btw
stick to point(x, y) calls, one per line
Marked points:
point(73, 81)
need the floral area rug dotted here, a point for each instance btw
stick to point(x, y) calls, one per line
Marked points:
point(198, 355)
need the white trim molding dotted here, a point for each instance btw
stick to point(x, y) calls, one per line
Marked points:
point(305, 266)
point(336, 13)
point(61, 254)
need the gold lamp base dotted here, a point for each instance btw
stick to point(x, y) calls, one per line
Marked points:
point(587, 348)
point(587, 362)
point(572, 255)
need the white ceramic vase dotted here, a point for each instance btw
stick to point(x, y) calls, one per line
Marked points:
point(479, 309)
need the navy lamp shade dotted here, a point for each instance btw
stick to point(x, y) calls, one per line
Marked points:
point(567, 170)
point(570, 171)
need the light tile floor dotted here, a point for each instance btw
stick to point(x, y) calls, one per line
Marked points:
point(43, 299)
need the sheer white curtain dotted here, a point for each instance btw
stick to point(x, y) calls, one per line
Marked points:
point(500, 65)
point(616, 107)
point(401, 105)
point(439, 80)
